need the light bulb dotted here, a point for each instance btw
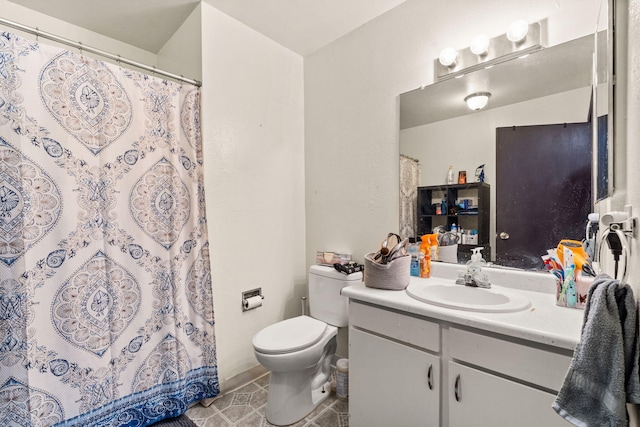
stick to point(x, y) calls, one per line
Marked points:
point(477, 101)
point(480, 45)
point(448, 57)
point(517, 31)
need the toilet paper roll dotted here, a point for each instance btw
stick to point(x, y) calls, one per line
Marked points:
point(253, 302)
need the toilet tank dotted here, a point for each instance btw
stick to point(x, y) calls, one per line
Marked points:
point(325, 301)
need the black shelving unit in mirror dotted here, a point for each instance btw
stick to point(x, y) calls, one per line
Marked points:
point(465, 205)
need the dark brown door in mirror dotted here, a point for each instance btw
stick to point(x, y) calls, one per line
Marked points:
point(543, 190)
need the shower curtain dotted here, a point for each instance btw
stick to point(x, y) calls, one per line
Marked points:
point(409, 179)
point(106, 311)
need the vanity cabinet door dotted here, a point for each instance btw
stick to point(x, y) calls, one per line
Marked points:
point(480, 399)
point(391, 384)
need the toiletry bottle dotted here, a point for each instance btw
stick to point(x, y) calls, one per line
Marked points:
point(434, 247)
point(444, 206)
point(475, 264)
point(454, 229)
point(342, 379)
point(414, 253)
point(425, 256)
point(572, 294)
point(569, 294)
point(450, 175)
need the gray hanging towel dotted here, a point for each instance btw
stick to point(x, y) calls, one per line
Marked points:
point(603, 375)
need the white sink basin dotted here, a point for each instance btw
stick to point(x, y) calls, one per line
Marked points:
point(460, 297)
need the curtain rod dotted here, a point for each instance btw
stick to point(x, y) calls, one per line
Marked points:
point(96, 51)
point(410, 158)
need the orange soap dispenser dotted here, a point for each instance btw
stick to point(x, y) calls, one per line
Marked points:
point(425, 256)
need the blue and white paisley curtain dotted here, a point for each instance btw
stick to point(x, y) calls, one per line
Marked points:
point(106, 312)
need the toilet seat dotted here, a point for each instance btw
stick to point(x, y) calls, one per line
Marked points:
point(289, 335)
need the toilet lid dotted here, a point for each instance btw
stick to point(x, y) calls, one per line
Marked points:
point(289, 335)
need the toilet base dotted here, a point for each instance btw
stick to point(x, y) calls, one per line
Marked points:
point(300, 380)
point(292, 396)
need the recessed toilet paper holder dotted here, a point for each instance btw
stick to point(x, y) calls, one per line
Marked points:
point(248, 295)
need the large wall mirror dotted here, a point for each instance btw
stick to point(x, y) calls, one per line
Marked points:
point(550, 87)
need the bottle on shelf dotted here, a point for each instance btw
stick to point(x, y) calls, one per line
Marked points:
point(450, 175)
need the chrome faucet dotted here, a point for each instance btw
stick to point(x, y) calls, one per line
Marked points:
point(477, 280)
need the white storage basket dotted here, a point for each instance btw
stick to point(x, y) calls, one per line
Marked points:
point(393, 276)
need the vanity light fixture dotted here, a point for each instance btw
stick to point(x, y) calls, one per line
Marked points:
point(520, 39)
point(517, 31)
point(477, 101)
point(448, 57)
point(480, 45)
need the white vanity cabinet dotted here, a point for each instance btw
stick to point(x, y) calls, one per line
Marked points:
point(480, 399)
point(514, 382)
point(393, 383)
point(478, 378)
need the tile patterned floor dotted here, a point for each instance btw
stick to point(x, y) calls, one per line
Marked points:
point(246, 406)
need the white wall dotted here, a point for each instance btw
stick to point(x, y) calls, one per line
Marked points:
point(351, 107)
point(253, 124)
point(46, 23)
point(470, 139)
point(627, 116)
point(182, 53)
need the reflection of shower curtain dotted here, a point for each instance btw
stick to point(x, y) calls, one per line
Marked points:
point(409, 178)
point(106, 313)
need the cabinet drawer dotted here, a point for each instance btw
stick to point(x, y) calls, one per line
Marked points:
point(534, 365)
point(412, 330)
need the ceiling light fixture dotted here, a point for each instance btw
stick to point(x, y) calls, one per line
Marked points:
point(517, 31)
point(477, 101)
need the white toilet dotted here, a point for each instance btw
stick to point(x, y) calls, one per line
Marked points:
point(298, 351)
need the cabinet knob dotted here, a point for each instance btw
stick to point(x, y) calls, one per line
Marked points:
point(457, 389)
point(504, 235)
point(430, 377)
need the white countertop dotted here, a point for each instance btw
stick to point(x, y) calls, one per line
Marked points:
point(544, 322)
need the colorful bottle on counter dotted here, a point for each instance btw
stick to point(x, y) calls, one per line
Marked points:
point(414, 253)
point(572, 295)
point(425, 256)
point(433, 245)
